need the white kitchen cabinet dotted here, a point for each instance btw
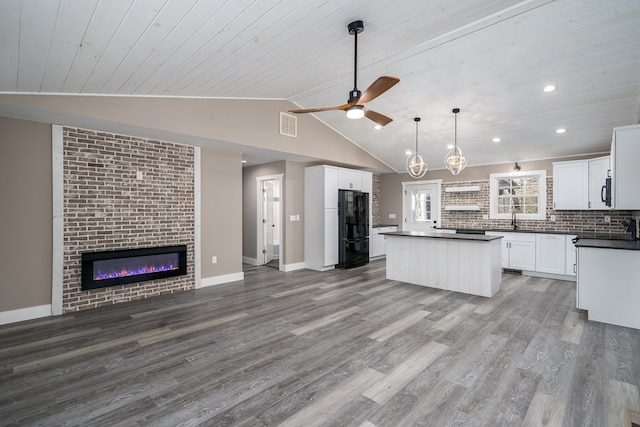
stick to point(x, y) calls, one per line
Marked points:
point(577, 184)
point(625, 173)
point(598, 172)
point(349, 179)
point(607, 285)
point(377, 241)
point(322, 184)
point(518, 250)
point(570, 268)
point(571, 185)
point(551, 253)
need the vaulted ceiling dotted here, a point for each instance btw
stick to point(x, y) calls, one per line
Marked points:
point(491, 59)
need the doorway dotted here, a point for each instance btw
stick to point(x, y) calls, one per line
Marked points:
point(421, 205)
point(269, 226)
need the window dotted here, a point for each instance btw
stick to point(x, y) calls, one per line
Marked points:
point(524, 194)
point(421, 202)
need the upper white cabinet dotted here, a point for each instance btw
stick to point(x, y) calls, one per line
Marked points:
point(625, 173)
point(349, 179)
point(577, 184)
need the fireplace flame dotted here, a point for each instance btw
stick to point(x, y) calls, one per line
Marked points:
point(99, 275)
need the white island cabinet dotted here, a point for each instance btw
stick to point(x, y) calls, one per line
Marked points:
point(608, 286)
point(455, 262)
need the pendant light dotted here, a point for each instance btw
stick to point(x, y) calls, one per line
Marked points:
point(455, 160)
point(416, 163)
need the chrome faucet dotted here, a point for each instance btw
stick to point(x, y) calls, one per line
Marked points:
point(513, 219)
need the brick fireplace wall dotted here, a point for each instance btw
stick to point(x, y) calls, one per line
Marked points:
point(571, 222)
point(106, 208)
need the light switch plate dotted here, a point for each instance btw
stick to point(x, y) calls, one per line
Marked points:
point(392, 216)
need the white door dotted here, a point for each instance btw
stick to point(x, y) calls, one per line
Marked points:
point(421, 205)
point(268, 223)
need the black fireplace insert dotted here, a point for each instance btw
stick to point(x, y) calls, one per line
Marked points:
point(112, 268)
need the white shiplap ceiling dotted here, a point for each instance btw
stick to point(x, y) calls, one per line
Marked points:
point(489, 58)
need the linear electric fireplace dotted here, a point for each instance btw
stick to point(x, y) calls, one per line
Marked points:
point(111, 268)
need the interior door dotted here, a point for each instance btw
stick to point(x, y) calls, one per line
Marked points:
point(268, 224)
point(421, 206)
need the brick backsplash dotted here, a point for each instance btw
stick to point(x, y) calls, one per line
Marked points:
point(375, 199)
point(572, 222)
point(107, 208)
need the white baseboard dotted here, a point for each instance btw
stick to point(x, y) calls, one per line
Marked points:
point(28, 313)
point(293, 267)
point(250, 261)
point(218, 280)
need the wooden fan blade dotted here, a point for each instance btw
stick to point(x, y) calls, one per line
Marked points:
point(380, 119)
point(377, 88)
point(315, 110)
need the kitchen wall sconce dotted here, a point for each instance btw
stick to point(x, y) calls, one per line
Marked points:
point(517, 167)
point(416, 163)
point(455, 161)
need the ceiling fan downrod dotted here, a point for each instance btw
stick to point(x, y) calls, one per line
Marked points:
point(355, 28)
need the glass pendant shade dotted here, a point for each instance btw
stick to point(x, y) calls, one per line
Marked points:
point(416, 163)
point(455, 161)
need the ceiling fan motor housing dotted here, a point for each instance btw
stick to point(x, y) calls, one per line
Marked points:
point(354, 95)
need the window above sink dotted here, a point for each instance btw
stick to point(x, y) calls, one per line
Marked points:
point(521, 193)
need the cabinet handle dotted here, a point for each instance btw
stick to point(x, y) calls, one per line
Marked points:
point(575, 268)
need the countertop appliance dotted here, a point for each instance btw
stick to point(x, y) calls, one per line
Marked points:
point(353, 231)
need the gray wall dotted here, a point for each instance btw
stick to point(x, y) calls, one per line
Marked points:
point(26, 211)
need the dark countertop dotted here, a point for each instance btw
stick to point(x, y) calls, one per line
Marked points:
point(438, 235)
point(509, 230)
point(383, 225)
point(633, 245)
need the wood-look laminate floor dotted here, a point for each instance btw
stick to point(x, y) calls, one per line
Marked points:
point(340, 348)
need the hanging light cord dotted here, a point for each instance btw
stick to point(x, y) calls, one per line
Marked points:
point(417, 119)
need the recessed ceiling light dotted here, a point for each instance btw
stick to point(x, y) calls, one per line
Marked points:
point(549, 88)
point(244, 161)
point(496, 139)
point(561, 130)
point(408, 152)
point(378, 127)
point(449, 147)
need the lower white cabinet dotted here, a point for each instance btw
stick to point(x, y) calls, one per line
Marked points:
point(571, 268)
point(608, 285)
point(377, 241)
point(518, 250)
point(550, 253)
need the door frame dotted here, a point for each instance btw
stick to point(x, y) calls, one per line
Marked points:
point(406, 184)
point(260, 217)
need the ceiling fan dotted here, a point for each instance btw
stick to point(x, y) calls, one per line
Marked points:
point(355, 106)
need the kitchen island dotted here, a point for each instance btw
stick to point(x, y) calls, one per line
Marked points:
point(468, 263)
point(608, 286)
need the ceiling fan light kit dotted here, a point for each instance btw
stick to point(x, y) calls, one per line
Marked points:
point(355, 112)
point(355, 106)
point(416, 163)
point(455, 160)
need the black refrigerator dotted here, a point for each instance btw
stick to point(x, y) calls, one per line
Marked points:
point(353, 231)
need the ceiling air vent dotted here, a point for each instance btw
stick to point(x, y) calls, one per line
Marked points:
point(288, 125)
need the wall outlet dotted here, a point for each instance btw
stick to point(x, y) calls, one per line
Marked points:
point(392, 216)
point(139, 175)
point(292, 217)
point(485, 216)
point(214, 259)
point(607, 219)
point(552, 218)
